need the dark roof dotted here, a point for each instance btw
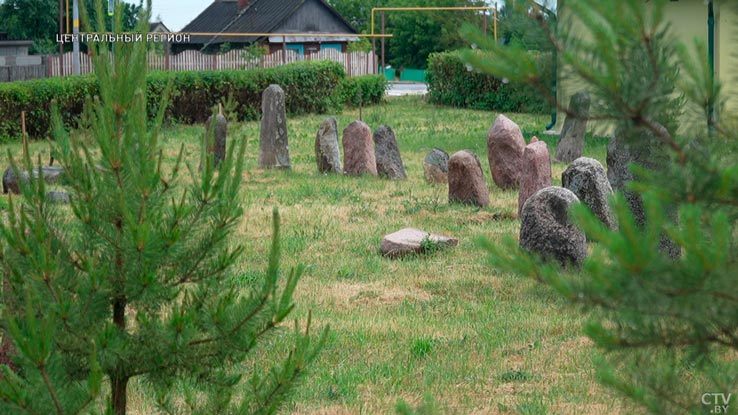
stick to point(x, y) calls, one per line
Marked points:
point(154, 25)
point(16, 43)
point(260, 16)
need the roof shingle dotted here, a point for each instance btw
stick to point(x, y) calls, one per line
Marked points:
point(260, 16)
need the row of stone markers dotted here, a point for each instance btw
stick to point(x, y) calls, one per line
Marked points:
point(543, 209)
point(363, 153)
point(545, 227)
point(513, 165)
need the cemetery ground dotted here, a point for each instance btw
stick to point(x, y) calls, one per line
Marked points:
point(444, 324)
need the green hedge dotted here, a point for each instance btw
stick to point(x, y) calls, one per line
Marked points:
point(367, 89)
point(35, 98)
point(451, 82)
point(310, 87)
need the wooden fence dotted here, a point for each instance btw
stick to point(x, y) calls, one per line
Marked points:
point(22, 73)
point(354, 63)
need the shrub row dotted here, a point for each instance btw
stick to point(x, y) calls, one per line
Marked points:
point(368, 89)
point(310, 87)
point(451, 82)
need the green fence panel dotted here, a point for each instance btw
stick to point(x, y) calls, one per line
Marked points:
point(412, 75)
point(389, 73)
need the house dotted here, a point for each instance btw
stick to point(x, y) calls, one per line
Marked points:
point(710, 21)
point(15, 62)
point(264, 17)
point(158, 27)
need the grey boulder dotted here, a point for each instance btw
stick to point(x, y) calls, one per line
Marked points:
point(545, 228)
point(387, 154)
point(435, 166)
point(587, 179)
point(327, 153)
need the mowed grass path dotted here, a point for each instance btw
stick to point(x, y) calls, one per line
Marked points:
point(446, 325)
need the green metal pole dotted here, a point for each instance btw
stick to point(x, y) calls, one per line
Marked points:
point(554, 70)
point(711, 53)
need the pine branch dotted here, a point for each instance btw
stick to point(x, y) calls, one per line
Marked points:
point(50, 389)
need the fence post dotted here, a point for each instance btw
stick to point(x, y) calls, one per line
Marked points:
point(348, 64)
point(284, 50)
point(382, 42)
point(167, 53)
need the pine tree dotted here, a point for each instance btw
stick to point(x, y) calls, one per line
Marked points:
point(667, 325)
point(136, 279)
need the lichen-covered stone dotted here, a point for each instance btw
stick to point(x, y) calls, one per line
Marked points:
point(545, 228)
point(358, 150)
point(327, 153)
point(387, 154)
point(587, 179)
point(274, 149)
point(535, 173)
point(465, 180)
point(505, 145)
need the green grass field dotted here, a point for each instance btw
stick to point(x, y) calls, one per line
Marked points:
point(445, 325)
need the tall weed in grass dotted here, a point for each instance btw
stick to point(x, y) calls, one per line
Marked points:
point(136, 281)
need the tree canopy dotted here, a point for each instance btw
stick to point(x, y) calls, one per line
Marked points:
point(35, 20)
point(416, 34)
point(38, 20)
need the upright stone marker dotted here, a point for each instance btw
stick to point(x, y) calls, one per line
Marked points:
point(465, 180)
point(536, 171)
point(327, 154)
point(640, 147)
point(505, 144)
point(571, 141)
point(435, 166)
point(358, 150)
point(587, 179)
point(387, 154)
point(545, 228)
point(219, 129)
point(274, 149)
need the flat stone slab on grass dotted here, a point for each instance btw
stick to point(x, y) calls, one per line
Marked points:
point(410, 241)
point(58, 197)
point(50, 174)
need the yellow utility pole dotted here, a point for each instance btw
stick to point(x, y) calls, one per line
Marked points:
point(495, 21)
point(225, 34)
point(414, 9)
point(417, 9)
